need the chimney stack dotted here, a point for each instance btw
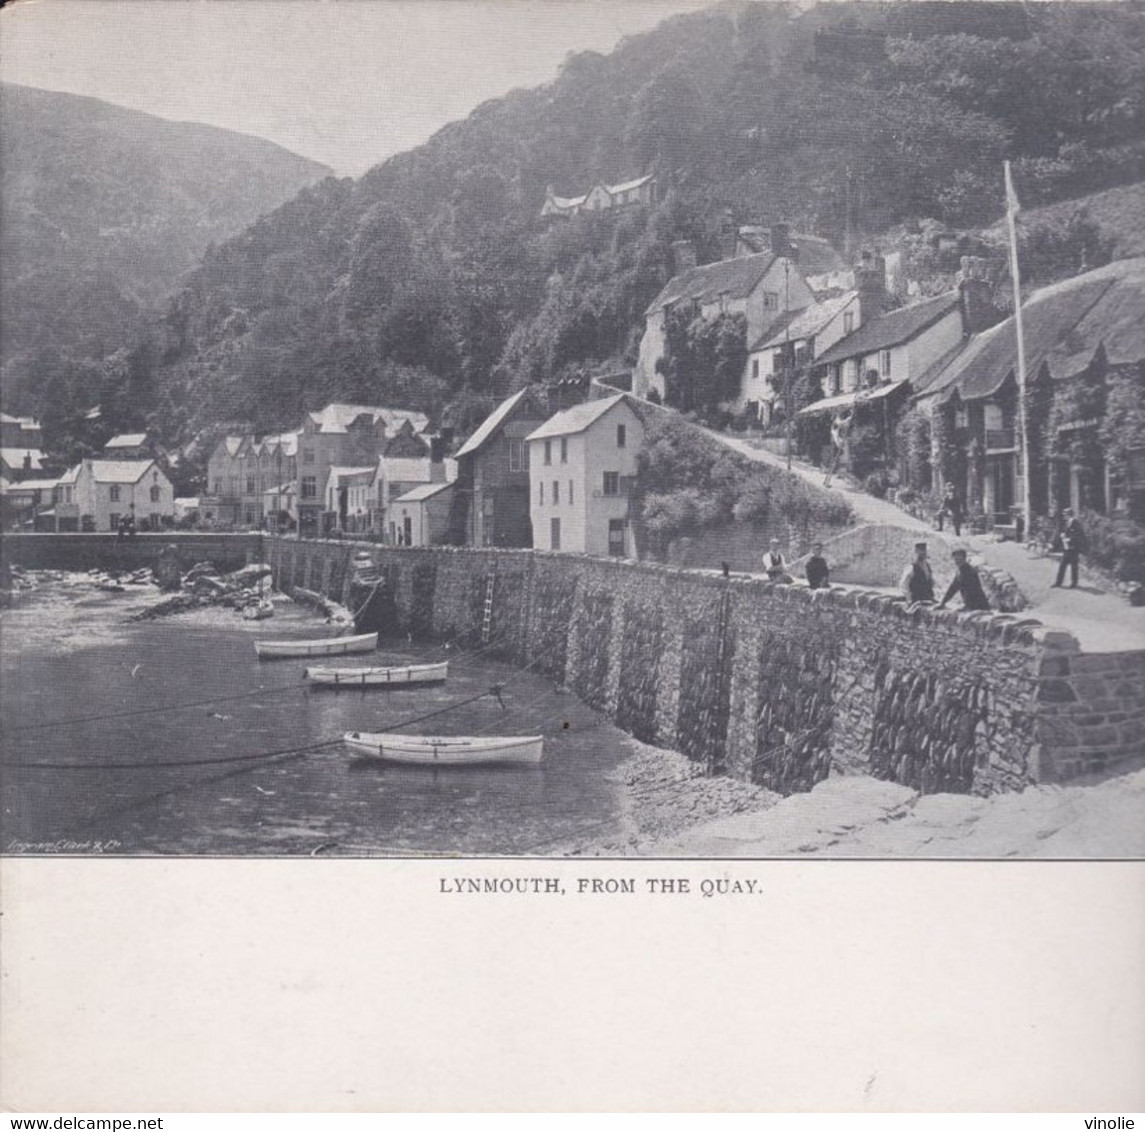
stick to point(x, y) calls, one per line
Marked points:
point(976, 295)
point(871, 283)
point(684, 255)
point(781, 240)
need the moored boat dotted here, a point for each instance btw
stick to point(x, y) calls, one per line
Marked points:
point(439, 750)
point(383, 677)
point(329, 646)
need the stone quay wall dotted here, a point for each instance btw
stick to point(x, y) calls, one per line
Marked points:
point(105, 551)
point(778, 685)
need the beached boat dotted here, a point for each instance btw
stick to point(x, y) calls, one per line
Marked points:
point(438, 750)
point(329, 646)
point(385, 677)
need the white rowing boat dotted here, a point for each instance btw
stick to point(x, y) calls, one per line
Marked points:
point(330, 646)
point(391, 676)
point(437, 750)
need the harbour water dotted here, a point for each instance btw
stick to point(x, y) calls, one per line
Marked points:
point(156, 738)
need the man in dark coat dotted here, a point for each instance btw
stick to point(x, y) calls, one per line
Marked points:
point(817, 569)
point(917, 581)
point(1073, 544)
point(951, 508)
point(967, 583)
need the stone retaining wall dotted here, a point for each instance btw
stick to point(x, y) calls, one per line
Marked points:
point(778, 685)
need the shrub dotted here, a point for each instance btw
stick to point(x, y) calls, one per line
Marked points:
point(876, 484)
point(1116, 545)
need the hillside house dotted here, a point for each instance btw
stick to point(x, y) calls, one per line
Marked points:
point(636, 193)
point(351, 497)
point(582, 464)
point(491, 502)
point(30, 503)
point(21, 444)
point(128, 446)
point(791, 344)
point(762, 287)
point(96, 494)
point(1079, 335)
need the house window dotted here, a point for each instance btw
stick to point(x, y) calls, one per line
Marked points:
point(556, 491)
point(250, 485)
point(853, 373)
point(961, 417)
point(611, 483)
point(308, 455)
point(616, 538)
point(548, 452)
point(992, 416)
point(885, 363)
point(113, 493)
point(542, 495)
point(570, 491)
point(155, 493)
point(516, 455)
point(771, 300)
point(112, 521)
point(837, 378)
point(848, 321)
point(777, 362)
point(309, 487)
point(755, 368)
point(621, 436)
point(564, 449)
point(554, 534)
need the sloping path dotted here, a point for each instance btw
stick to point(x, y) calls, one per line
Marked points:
point(1102, 621)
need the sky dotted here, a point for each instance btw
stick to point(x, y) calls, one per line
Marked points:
point(345, 82)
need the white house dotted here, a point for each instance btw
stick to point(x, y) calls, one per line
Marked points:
point(601, 197)
point(581, 467)
point(100, 492)
point(420, 517)
point(761, 287)
point(351, 495)
point(798, 339)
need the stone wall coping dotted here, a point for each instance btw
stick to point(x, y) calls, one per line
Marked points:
point(976, 623)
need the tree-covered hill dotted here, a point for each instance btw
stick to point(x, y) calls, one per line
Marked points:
point(104, 209)
point(432, 279)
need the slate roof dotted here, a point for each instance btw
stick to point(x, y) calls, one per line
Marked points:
point(1063, 326)
point(120, 471)
point(891, 329)
point(805, 322)
point(489, 426)
point(33, 485)
point(127, 440)
point(14, 457)
point(423, 492)
point(736, 278)
point(337, 417)
point(578, 418)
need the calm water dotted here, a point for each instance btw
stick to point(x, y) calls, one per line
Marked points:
point(68, 655)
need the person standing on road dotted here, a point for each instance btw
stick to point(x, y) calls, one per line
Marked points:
point(966, 582)
point(817, 569)
point(917, 581)
point(1073, 546)
point(951, 509)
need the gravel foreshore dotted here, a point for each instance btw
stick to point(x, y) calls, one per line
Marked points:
point(663, 795)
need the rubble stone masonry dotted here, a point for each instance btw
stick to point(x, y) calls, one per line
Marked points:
point(779, 685)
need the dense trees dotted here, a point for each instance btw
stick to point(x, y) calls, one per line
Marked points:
point(433, 278)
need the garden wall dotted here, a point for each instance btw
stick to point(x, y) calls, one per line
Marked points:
point(779, 685)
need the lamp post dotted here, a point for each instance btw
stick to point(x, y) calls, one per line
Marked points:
point(788, 368)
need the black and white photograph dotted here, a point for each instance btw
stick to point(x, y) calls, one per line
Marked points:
point(658, 429)
point(528, 447)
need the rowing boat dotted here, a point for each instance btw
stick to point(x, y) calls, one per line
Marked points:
point(386, 677)
point(436, 750)
point(330, 646)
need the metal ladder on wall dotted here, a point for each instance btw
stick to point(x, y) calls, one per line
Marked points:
point(487, 618)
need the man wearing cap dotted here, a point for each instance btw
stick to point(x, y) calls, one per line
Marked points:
point(967, 583)
point(917, 581)
point(774, 565)
point(1073, 544)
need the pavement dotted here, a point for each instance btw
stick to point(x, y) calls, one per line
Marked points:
point(1100, 618)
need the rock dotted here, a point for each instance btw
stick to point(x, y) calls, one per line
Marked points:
point(249, 574)
point(168, 576)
